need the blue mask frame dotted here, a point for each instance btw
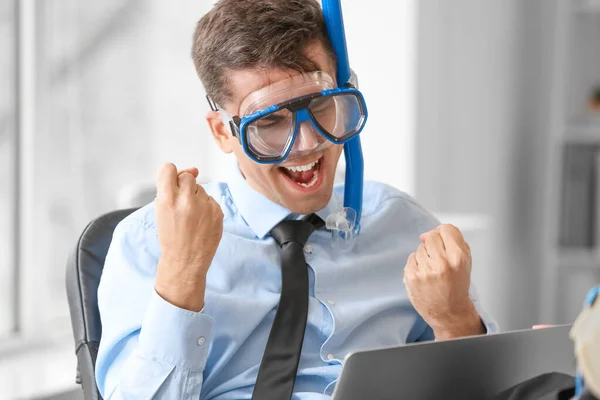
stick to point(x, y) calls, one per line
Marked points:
point(239, 125)
point(353, 190)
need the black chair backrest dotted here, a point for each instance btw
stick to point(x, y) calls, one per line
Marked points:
point(84, 268)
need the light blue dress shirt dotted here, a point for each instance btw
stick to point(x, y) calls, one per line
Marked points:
point(152, 349)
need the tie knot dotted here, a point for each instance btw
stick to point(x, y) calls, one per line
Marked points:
point(297, 231)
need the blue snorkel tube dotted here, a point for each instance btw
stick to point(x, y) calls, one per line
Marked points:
point(353, 189)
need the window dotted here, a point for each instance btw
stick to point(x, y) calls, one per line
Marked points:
point(7, 166)
point(109, 93)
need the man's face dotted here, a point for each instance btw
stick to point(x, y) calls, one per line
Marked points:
point(301, 190)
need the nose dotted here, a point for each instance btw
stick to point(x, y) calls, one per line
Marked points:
point(308, 137)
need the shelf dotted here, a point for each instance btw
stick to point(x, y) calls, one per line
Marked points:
point(591, 7)
point(587, 131)
point(579, 258)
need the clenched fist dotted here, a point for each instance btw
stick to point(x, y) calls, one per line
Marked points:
point(437, 278)
point(190, 226)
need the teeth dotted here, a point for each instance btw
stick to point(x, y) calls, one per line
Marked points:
point(312, 181)
point(302, 168)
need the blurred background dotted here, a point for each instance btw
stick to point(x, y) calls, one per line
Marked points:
point(487, 111)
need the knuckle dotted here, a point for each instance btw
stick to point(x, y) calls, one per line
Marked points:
point(411, 259)
point(167, 167)
point(453, 230)
point(201, 188)
point(438, 269)
point(459, 259)
point(162, 171)
point(440, 274)
point(452, 227)
point(217, 211)
point(186, 177)
point(443, 265)
point(187, 204)
point(446, 228)
point(166, 170)
point(445, 270)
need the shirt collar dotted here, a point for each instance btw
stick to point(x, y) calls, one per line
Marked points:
point(260, 213)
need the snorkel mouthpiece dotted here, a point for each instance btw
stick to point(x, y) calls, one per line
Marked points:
point(342, 226)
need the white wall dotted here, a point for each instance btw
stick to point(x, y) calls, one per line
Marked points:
point(484, 79)
point(178, 104)
point(381, 39)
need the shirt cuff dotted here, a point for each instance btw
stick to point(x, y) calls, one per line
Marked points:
point(175, 336)
point(490, 325)
point(488, 322)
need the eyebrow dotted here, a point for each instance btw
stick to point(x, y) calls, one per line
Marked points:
point(319, 101)
point(273, 117)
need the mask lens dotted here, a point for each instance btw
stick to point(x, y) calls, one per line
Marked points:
point(308, 141)
point(340, 115)
point(271, 134)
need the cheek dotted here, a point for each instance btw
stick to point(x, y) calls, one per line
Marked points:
point(258, 174)
point(336, 152)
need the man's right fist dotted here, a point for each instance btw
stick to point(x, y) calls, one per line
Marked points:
point(190, 226)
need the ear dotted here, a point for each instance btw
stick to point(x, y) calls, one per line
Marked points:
point(221, 132)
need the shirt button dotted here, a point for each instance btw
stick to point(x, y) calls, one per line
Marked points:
point(330, 356)
point(308, 249)
point(201, 340)
point(331, 302)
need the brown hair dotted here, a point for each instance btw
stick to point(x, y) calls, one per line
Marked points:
point(256, 34)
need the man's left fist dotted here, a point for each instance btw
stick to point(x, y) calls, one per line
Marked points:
point(437, 278)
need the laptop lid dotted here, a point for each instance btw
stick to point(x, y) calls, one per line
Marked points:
point(468, 368)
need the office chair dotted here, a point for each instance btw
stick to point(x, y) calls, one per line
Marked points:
point(84, 268)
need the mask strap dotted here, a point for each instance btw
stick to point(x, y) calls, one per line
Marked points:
point(213, 106)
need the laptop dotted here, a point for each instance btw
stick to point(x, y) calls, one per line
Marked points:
point(468, 368)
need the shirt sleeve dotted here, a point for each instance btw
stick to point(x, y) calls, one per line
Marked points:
point(150, 349)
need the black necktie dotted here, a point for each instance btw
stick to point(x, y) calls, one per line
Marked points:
point(277, 373)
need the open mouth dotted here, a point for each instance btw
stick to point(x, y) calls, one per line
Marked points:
point(304, 176)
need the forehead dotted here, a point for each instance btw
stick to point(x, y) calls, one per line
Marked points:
point(244, 82)
point(286, 89)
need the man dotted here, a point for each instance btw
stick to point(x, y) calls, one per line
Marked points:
point(192, 282)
